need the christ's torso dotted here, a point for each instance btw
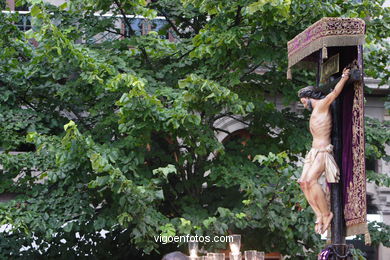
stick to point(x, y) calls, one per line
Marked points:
point(320, 128)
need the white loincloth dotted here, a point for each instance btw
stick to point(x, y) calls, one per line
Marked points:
point(332, 172)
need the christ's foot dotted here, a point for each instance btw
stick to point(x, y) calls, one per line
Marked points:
point(326, 221)
point(318, 225)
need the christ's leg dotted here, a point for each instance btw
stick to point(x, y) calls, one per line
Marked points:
point(305, 188)
point(315, 190)
point(314, 206)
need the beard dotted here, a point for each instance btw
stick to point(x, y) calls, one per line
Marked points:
point(309, 105)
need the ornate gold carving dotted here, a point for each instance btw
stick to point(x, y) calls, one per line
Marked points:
point(356, 209)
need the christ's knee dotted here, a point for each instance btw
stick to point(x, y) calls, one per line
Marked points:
point(304, 185)
point(311, 183)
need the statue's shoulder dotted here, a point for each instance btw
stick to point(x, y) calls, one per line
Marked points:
point(323, 105)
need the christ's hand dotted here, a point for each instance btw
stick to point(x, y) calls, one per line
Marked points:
point(346, 72)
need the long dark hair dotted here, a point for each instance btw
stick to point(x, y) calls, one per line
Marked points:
point(310, 92)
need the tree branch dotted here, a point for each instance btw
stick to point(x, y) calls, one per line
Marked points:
point(238, 16)
point(250, 70)
point(19, 97)
point(237, 20)
point(115, 32)
point(213, 119)
point(239, 120)
point(171, 23)
point(146, 57)
point(131, 32)
point(221, 130)
point(186, 53)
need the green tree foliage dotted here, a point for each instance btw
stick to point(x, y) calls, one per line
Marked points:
point(121, 133)
point(377, 136)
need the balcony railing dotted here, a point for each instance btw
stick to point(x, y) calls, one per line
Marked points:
point(23, 21)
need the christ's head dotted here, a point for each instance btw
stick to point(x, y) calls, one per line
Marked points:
point(307, 94)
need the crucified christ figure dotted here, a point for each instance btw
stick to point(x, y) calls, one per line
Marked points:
point(320, 158)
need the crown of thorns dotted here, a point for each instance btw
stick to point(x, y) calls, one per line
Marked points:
point(310, 92)
point(304, 91)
